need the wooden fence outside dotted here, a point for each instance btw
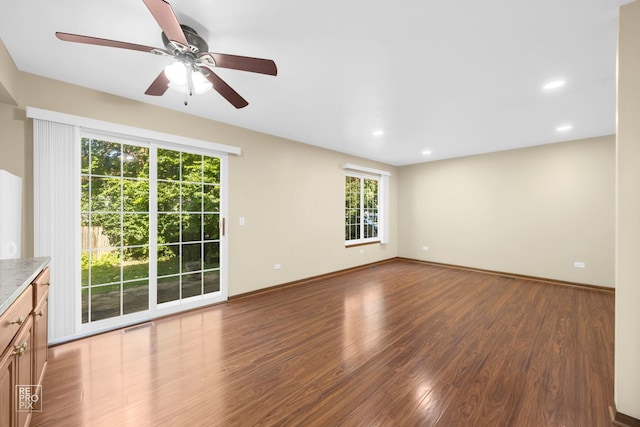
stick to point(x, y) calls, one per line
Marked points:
point(94, 238)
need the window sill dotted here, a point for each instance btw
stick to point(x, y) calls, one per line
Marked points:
point(353, 245)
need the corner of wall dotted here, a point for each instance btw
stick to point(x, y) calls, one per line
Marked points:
point(9, 78)
point(627, 345)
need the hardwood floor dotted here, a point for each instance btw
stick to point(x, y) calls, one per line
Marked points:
point(397, 344)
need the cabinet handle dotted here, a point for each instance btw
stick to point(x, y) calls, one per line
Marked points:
point(46, 284)
point(40, 313)
point(20, 321)
point(19, 350)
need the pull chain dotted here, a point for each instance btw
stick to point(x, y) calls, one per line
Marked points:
point(188, 88)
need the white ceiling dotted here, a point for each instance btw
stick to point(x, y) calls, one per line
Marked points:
point(453, 77)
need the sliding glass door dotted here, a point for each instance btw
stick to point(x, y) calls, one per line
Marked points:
point(151, 230)
point(188, 225)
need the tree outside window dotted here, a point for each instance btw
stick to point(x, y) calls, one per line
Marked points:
point(361, 209)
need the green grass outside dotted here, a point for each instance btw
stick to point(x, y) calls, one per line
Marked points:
point(108, 273)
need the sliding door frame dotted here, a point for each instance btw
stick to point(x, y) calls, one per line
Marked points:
point(65, 308)
point(154, 309)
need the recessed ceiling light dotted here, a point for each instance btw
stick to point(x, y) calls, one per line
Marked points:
point(564, 128)
point(377, 133)
point(555, 84)
point(426, 152)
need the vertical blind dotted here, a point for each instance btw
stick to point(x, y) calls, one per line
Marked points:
point(56, 215)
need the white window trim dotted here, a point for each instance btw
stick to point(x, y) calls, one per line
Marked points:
point(372, 171)
point(383, 200)
point(363, 240)
point(131, 132)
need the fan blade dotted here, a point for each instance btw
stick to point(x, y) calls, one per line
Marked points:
point(159, 85)
point(104, 42)
point(243, 63)
point(226, 91)
point(163, 13)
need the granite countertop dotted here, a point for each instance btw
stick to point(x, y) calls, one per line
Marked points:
point(15, 276)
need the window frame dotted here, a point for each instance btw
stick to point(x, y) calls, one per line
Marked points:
point(156, 309)
point(363, 209)
point(383, 202)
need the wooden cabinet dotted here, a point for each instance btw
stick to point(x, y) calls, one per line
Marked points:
point(23, 353)
point(8, 364)
point(40, 319)
point(15, 362)
point(23, 348)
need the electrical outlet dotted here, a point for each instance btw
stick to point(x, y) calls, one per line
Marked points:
point(579, 264)
point(276, 266)
point(425, 248)
point(361, 251)
point(241, 221)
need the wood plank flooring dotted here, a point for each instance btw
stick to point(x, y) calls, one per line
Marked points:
point(397, 344)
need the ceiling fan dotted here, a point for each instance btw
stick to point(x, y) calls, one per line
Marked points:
point(194, 65)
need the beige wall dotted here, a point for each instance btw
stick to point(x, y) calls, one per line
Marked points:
point(292, 198)
point(531, 211)
point(291, 194)
point(627, 340)
point(15, 155)
point(9, 77)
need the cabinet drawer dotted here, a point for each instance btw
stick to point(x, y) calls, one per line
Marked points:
point(16, 315)
point(41, 286)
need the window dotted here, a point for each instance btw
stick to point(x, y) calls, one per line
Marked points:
point(366, 207)
point(362, 198)
point(188, 225)
point(150, 226)
point(114, 228)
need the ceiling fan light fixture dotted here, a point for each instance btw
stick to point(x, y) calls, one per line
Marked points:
point(200, 83)
point(177, 75)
